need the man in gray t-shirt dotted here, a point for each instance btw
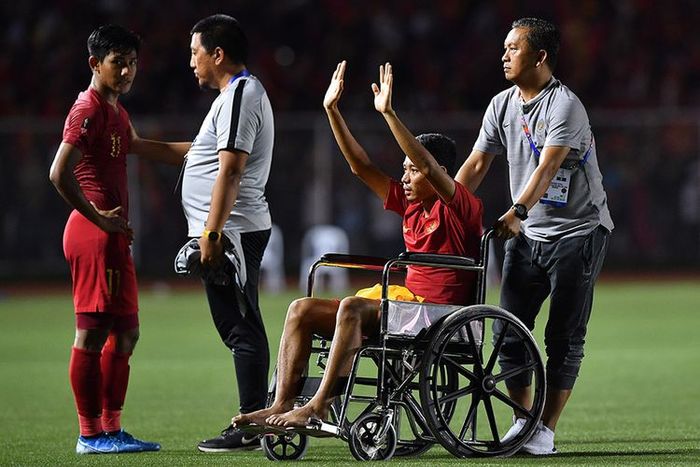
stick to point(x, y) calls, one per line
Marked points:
point(223, 198)
point(559, 223)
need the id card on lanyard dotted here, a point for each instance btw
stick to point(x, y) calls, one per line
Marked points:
point(557, 193)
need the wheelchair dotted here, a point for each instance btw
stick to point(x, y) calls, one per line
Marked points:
point(437, 378)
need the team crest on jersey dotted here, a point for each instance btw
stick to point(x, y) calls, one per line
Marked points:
point(539, 128)
point(406, 229)
point(431, 227)
point(116, 145)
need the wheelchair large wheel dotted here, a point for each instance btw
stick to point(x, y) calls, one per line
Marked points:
point(372, 438)
point(286, 447)
point(469, 342)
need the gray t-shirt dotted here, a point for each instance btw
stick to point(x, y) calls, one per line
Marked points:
point(555, 117)
point(239, 119)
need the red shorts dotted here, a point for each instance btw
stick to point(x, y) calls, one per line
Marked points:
point(104, 277)
point(107, 321)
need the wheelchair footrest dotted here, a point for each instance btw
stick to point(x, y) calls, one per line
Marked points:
point(256, 429)
point(315, 428)
point(318, 429)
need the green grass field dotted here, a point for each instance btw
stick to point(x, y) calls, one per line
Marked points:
point(636, 403)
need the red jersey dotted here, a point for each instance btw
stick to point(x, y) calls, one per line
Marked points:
point(450, 228)
point(102, 134)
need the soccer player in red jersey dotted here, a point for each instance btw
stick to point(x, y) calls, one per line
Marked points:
point(440, 215)
point(89, 171)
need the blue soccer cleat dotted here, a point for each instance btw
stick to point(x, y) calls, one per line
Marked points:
point(102, 444)
point(128, 443)
point(113, 443)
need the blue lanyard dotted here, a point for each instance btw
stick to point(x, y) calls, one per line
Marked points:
point(537, 152)
point(241, 74)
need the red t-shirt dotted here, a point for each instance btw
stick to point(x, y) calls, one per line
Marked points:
point(450, 228)
point(102, 134)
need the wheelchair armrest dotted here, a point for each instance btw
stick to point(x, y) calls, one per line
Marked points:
point(352, 261)
point(432, 258)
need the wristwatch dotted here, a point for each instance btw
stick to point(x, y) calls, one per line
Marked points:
point(212, 235)
point(520, 211)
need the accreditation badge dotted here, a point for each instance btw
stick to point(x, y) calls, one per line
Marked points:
point(558, 192)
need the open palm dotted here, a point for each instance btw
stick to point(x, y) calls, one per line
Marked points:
point(382, 93)
point(335, 89)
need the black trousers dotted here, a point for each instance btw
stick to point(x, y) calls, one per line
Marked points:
point(242, 330)
point(566, 272)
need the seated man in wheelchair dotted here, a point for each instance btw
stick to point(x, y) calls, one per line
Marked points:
point(439, 216)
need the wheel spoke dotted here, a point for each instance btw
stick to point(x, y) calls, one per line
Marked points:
point(277, 441)
point(471, 413)
point(492, 420)
point(459, 368)
point(497, 348)
point(457, 394)
point(510, 402)
point(515, 371)
point(475, 351)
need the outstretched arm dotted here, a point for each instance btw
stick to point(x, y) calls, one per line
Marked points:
point(158, 151)
point(354, 154)
point(421, 157)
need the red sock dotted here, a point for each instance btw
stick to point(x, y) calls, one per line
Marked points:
point(86, 382)
point(115, 380)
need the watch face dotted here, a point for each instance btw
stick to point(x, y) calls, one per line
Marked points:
point(213, 236)
point(520, 211)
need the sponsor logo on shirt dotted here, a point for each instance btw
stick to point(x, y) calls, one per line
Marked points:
point(84, 127)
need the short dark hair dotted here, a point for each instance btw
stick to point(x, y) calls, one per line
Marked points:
point(223, 31)
point(443, 149)
point(112, 37)
point(541, 35)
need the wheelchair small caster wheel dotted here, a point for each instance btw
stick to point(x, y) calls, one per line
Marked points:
point(285, 447)
point(371, 438)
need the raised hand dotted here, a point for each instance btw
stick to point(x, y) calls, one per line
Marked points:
point(382, 93)
point(335, 89)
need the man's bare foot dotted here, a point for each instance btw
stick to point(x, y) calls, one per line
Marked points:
point(258, 417)
point(297, 418)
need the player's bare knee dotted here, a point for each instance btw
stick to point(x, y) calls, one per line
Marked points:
point(297, 312)
point(126, 341)
point(350, 311)
point(90, 339)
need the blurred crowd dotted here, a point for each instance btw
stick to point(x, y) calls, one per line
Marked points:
point(629, 58)
point(616, 54)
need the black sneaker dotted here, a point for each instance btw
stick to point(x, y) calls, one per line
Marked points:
point(231, 439)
